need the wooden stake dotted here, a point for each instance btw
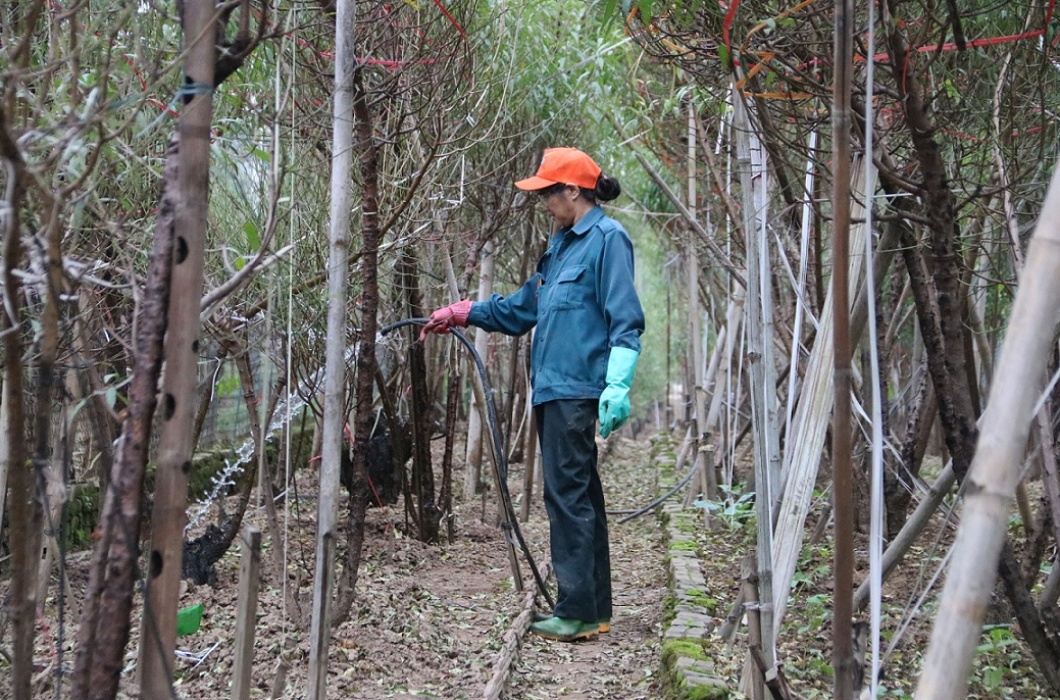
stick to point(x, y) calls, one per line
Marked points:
point(708, 480)
point(247, 612)
point(178, 397)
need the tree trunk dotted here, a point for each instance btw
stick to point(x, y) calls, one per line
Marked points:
point(941, 309)
point(104, 629)
point(452, 400)
point(428, 515)
point(103, 422)
point(372, 235)
point(24, 507)
point(200, 554)
point(900, 481)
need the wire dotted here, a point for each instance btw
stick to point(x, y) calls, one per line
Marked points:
point(500, 462)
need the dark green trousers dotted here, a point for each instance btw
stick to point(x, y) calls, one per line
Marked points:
point(574, 500)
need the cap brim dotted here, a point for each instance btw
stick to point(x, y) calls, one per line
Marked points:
point(534, 183)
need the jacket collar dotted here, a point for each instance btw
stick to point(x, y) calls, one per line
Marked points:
point(580, 227)
point(591, 218)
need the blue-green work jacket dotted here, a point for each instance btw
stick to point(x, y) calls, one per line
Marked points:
point(582, 301)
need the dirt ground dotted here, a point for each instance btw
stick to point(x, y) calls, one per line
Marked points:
point(428, 620)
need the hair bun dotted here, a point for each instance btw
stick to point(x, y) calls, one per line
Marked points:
point(607, 188)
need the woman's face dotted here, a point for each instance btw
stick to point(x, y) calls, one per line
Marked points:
point(562, 204)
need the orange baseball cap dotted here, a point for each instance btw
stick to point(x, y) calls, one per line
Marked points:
point(568, 166)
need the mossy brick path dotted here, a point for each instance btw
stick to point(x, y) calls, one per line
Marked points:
point(688, 673)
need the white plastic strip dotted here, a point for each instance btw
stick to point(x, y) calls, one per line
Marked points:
point(876, 494)
point(800, 297)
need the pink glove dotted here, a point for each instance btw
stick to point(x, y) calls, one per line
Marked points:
point(444, 319)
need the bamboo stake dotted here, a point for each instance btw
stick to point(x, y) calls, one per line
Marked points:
point(719, 254)
point(751, 679)
point(335, 364)
point(476, 419)
point(733, 319)
point(800, 289)
point(731, 626)
point(695, 315)
point(994, 475)
point(909, 533)
point(842, 480)
point(763, 384)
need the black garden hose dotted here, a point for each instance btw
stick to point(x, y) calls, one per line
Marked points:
point(658, 501)
point(500, 463)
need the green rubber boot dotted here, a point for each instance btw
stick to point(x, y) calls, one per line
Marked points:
point(605, 625)
point(565, 630)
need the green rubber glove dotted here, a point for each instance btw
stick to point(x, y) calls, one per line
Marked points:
point(614, 401)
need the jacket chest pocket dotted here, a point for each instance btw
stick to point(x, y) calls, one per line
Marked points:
point(572, 289)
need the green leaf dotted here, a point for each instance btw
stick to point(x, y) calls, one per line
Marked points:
point(262, 154)
point(253, 238)
point(723, 54)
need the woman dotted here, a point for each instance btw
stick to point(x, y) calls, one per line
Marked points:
point(583, 358)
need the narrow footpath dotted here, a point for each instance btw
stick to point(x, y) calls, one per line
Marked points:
point(623, 664)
